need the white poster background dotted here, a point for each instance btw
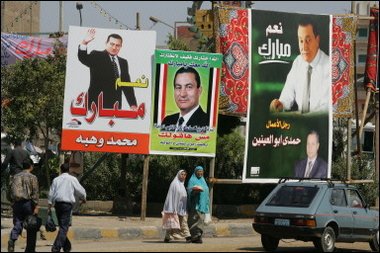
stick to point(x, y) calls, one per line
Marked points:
point(138, 49)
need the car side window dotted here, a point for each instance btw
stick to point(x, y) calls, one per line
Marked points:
point(338, 198)
point(354, 198)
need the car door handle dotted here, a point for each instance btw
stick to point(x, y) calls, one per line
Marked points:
point(354, 212)
point(335, 211)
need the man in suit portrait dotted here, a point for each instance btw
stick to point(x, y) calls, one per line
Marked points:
point(312, 166)
point(187, 91)
point(308, 83)
point(105, 67)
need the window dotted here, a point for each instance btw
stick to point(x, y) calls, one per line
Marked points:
point(338, 198)
point(362, 58)
point(368, 141)
point(363, 32)
point(295, 196)
point(354, 199)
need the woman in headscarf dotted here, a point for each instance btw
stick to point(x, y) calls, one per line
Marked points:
point(176, 203)
point(198, 204)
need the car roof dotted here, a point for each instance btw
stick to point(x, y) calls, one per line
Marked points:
point(315, 182)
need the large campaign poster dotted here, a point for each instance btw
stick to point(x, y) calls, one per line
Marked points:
point(185, 107)
point(107, 105)
point(289, 116)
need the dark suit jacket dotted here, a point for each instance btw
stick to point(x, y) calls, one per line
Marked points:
point(102, 79)
point(197, 122)
point(319, 169)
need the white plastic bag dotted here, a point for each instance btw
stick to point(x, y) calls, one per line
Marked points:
point(207, 219)
point(170, 221)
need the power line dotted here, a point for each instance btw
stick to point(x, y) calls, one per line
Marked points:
point(110, 17)
point(20, 16)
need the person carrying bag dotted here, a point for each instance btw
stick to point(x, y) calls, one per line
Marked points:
point(174, 214)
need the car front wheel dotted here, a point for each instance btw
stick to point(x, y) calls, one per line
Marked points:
point(374, 243)
point(326, 243)
point(269, 243)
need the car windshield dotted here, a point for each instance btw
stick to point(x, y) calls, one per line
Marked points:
point(295, 196)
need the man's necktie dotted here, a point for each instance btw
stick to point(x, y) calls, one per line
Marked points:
point(306, 94)
point(115, 69)
point(308, 169)
point(180, 121)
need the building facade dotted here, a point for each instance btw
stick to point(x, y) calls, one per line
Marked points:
point(20, 17)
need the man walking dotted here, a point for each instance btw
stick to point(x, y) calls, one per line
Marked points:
point(24, 201)
point(14, 158)
point(62, 195)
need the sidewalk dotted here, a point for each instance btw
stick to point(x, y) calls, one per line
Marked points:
point(95, 227)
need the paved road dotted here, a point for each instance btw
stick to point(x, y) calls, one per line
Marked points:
point(219, 244)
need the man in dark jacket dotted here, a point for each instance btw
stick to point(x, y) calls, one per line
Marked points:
point(187, 91)
point(105, 67)
point(24, 201)
point(312, 166)
point(14, 158)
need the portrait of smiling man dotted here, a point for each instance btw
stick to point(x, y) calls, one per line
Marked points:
point(105, 67)
point(187, 91)
point(308, 84)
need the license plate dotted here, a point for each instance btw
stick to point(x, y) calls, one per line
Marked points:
point(281, 222)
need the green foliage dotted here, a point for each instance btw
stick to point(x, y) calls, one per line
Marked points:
point(207, 44)
point(163, 169)
point(340, 125)
point(230, 156)
point(229, 165)
point(175, 44)
point(204, 44)
point(33, 90)
point(40, 171)
point(103, 182)
point(362, 168)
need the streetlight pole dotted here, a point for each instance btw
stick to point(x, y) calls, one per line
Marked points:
point(79, 8)
point(156, 20)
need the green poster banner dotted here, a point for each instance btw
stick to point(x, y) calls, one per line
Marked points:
point(289, 119)
point(185, 103)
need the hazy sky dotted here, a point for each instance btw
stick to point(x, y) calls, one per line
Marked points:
point(169, 12)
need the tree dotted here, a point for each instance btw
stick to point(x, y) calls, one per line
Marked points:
point(175, 44)
point(32, 97)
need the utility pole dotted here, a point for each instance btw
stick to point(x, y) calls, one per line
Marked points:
point(60, 16)
point(138, 21)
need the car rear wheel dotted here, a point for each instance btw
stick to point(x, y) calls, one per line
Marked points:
point(374, 243)
point(269, 243)
point(326, 243)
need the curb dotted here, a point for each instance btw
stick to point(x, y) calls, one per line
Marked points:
point(144, 232)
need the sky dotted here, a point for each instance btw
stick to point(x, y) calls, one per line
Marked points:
point(104, 14)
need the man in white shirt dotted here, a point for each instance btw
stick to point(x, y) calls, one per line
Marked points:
point(62, 194)
point(308, 84)
point(76, 170)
